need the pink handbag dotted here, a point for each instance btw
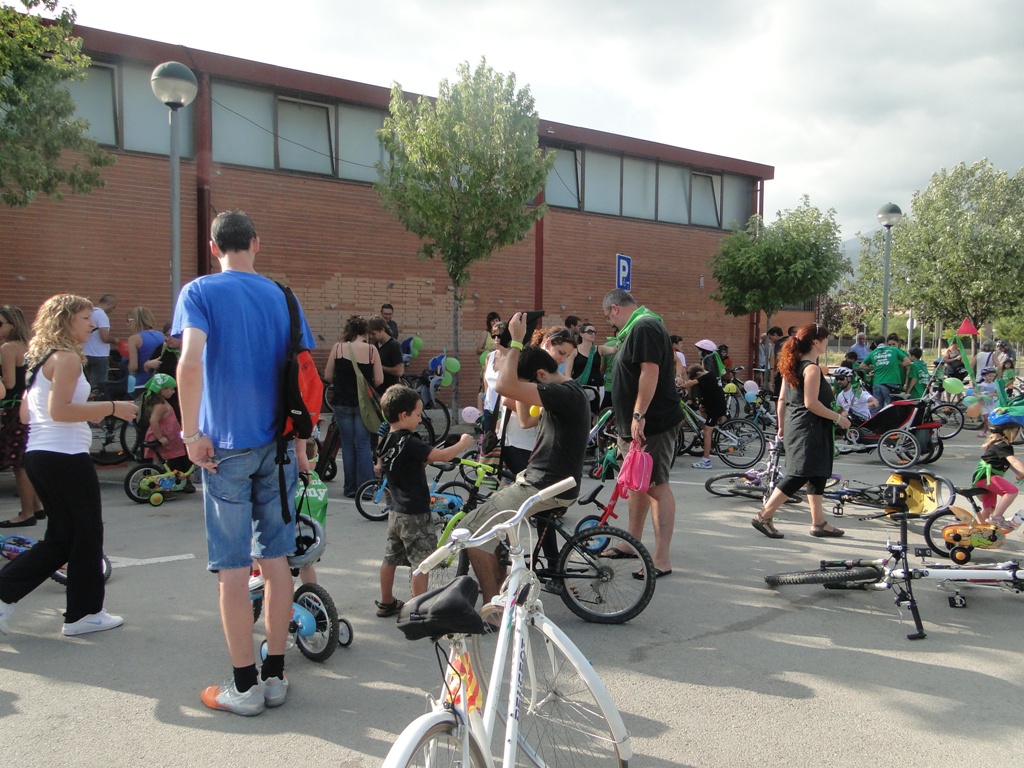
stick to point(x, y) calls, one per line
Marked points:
point(635, 474)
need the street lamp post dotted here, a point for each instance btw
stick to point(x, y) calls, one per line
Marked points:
point(175, 86)
point(888, 215)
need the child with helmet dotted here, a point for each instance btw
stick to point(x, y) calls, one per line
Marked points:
point(851, 400)
point(163, 426)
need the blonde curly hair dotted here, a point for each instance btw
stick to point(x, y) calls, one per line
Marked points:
point(52, 327)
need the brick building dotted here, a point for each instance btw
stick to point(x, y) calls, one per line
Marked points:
point(296, 151)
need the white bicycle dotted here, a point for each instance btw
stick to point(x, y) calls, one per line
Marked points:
point(561, 713)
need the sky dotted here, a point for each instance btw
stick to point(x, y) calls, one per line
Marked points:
point(856, 103)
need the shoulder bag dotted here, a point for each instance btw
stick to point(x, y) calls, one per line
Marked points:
point(369, 403)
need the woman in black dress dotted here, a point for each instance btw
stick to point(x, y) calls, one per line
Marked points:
point(807, 420)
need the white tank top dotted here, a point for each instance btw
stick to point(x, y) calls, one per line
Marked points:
point(45, 434)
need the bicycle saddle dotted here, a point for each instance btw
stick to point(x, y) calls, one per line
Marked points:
point(448, 610)
point(590, 497)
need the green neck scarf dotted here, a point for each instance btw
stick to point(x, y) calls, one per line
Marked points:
point(638, 313)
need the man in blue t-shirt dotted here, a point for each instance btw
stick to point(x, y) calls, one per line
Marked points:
point(235, 331)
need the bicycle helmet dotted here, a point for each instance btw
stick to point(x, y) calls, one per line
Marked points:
point(987, 369)
point(707, 345)
point(160, 381)
point(843, 371)
point(309, 544)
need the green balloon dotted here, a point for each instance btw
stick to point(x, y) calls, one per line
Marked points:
point(483, 359)
point(417, 343)
point(452, 364)
point(971, 400)
point(953, 386)
point(415, 352)
point(446, 379)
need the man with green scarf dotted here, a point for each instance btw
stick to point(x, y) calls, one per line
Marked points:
point(646, 411)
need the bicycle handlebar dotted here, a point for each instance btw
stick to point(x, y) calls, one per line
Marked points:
point(464, 542)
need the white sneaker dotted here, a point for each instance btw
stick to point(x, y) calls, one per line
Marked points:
point(94, 622)
point(702, 464)
point(6, 609)
point(274, 690)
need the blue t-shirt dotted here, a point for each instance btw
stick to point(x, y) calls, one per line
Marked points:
point(245, 318)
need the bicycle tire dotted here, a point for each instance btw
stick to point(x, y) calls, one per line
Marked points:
point(133, 481)
point(61, 574)
point(440, 419)
point(603, 590)
point(733, 407)
point(588, 522)
point(425, 430)
point(933, 525)
point(744, 449)
point(734, 484)
point(865, 573)
point(433, 741)
point(109, 442)
point(322, 643)
point(372, 501)
point(898, 449)
point(951, 418)
point(935, 453)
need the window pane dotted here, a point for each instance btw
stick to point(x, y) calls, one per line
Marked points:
point(304, 137)
point(95, 102)
point(706, 194)
point(601, 189)
point(673, 194)
point(358, 147)
point(737, 202)
point(563, 185)
point(243, 126)
point(638, 179)
point(146, 119)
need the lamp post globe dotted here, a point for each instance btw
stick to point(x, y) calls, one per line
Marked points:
point(175, 86)
point(888, 216)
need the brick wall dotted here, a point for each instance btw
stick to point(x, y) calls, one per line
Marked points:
point(343, 254)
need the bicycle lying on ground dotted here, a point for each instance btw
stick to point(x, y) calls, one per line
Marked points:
point(756, 484)
point(896, 573)
point(13, 546)
point(553, 706)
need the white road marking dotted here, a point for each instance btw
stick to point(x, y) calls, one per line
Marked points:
point(128, 562)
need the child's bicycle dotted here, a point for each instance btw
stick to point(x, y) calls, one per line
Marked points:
point(314, 626)
point(155, 483)
point(13, 546)
point(955, 533)
point(737, 442)
point(553, 707)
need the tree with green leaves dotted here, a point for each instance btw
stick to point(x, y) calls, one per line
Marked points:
point(765, 267)
point(962, 246)
point(42, 147)
point(463, 169)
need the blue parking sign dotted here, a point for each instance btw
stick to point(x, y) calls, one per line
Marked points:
point(623, 269)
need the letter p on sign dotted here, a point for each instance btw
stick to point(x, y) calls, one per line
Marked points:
point(623, 267)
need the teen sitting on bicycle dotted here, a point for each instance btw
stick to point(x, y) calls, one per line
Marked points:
point(852, 401)
point(412, 536)
point(712, 398)
point(996, 459)
point(164, 427)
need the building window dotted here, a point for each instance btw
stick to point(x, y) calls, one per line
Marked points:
point(95, 100)
point(358, 147)
point(305, 137)
point(563, 184)
point(602, 183)
point(145, 118)
point(673, 194)
point(639, 186)
point(243, 120)
point(801, 306)
point(707, 196)
point(737, 201)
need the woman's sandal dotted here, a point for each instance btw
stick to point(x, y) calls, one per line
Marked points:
point(767, 527)
point(824, 532)
point(388, 609)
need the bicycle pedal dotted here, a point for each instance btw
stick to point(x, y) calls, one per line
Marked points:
point(922, 552)
point(957, 601)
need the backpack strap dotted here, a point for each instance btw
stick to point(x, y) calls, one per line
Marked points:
point(294, 337)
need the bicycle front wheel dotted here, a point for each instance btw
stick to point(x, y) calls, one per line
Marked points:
point(866, 574)
point(951, 418)
point(321, 644)
point(739, 443)
point(109, 441)
point(440, 419)
point(427, 743)
point(601, 588)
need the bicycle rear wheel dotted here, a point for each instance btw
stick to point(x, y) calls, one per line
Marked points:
point(439, 745)
point(734, 484)
point(738, 442)
point(951, 418)
point(866, 574)
point(605, 590)
point(109, 441)
point(440, 419)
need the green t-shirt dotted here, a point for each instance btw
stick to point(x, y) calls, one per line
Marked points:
point(919, 371)
point(886, 363)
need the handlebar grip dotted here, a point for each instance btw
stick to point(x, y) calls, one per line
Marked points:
point(560, 487)
point(432, 560)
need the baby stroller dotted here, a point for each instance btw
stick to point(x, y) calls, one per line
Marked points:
point(903, 432)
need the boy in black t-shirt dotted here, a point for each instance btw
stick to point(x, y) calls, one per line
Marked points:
point(712, 398)
point(403, 456)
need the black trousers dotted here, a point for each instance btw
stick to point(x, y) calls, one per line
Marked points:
point(70, 491)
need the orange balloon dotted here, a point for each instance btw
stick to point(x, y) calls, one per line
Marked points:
point(974, 410)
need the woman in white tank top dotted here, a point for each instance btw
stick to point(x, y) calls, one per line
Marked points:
point(58, 464)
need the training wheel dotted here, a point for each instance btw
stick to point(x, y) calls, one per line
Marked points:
point(156, 499)
point(344, 633)
point(960, 555)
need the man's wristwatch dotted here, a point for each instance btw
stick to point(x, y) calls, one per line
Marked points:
point(637, 416)
point(193, 439)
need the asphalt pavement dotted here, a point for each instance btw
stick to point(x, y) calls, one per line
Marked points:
point(718, 671)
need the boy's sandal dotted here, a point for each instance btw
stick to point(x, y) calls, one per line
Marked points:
point(767, 527)
point(388, 609)
point(825, 531)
